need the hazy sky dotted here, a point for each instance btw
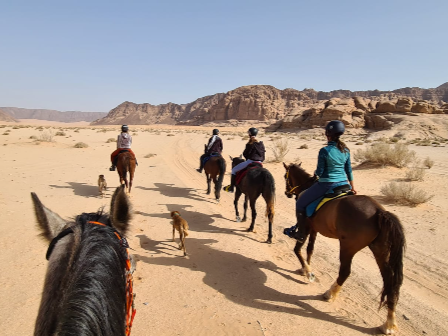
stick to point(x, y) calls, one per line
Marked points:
point(93, 55)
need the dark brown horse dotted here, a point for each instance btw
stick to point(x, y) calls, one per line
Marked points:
point(357, 221)
point(126, 163)
point(258, 181)
point(214, 169)
point(88, 285)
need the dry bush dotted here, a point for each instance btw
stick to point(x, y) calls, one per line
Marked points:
point(304, 146)
point(33, 137)
point(16, 127)
point(428, 163)
point(245, 137)
point(405, 193)
point(46, 136)
point(415, 174)
point(150, 155)
point(111, 140)
point(81, 145)
point(60, 133)
point(359, 143)
point(6, 133)
point(384, 154)
point(280, 149)
point(394, 139)
point(169, 134)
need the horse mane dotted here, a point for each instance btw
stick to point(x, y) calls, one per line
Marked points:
point(85, 285)
point(300, 169)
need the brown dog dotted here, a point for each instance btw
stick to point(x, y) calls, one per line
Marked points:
point(102, 184)
point(180, 225)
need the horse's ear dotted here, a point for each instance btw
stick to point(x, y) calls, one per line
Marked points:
point(241, 156)
point(49, 222)
point(231, 158)
point(284, 165)
point(120, 210)
point(300, 164)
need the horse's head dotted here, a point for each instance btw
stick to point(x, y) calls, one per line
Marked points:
point(296, 178)
point(236, 160)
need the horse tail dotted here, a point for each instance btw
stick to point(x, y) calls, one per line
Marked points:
point(269, 194)
point(392, 237)
point(222, 171)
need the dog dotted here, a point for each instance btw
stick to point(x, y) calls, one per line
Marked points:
point(102, 185)
point(180, 225)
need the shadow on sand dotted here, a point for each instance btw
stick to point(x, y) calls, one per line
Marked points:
point(80, 189)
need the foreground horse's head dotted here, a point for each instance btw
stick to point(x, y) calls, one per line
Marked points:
point(236, 160)
point(297, 179)
point(88, 275)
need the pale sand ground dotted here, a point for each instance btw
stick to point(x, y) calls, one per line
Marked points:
point(231, 283)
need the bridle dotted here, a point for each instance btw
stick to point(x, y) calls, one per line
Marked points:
point(130, 295)
point(297, 187)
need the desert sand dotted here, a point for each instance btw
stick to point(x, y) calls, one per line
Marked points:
point(231, 282)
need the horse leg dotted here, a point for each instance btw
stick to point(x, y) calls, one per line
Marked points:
point(345, 257)
point(208, 183)
point(235, 203)
point(390, 326)
point(217, 190)
point(254, 214)
point(298, 253)
point(245, 208)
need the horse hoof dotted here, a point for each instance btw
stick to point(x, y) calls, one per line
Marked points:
point(311, 277)
point(327, 296)
point(269, 241)
point(388, 330)
point(244, 219)
point(238, 219)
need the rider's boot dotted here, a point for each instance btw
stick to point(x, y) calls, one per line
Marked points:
point(231, 186)
point(112, 168)
point(302, 229)
point(201, 165)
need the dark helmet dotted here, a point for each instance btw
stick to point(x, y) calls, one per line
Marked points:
point(215, 131)
point(335, 128)
point(253, 131)
point(124, 128)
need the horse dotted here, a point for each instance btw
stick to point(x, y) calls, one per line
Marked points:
point(88, 283)
point(357, 221)
point(215, 167)
point(126, 163)
point(258, 181)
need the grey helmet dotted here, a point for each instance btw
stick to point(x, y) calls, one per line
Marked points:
point(253, 131)
point(335, 128)
point(124, 128)
point(215, 131)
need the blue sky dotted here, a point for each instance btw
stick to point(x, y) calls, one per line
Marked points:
point(93, 55)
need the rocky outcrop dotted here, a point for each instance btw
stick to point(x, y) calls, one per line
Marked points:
point(6, 117)
point(52, 115)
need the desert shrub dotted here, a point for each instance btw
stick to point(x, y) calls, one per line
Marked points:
point(405, 193)
point(394, 139)
point(134, 134)
point(359, 143)
point(16, 127)
point(304, 146)
point(428, 163)
point(230, 138)
point(280, 149)
point(6, 133)
point(384, 154)
point(245, 137)
point(46, 136)
point(60, 133)
point(33, 137)
point(150, 155)
point(81, 145)
point(169, 134)
point(415, 174)
point(111, 140)
point(76, 130)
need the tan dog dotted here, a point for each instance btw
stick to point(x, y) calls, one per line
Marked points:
point(102, 184)
point(180, 225)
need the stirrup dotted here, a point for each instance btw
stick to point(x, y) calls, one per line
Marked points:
point(112, 168)
point(228, 188)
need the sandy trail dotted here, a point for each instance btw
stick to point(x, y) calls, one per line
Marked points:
point(231, 283)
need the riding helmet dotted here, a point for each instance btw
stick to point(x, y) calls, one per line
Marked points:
point(215, 131)
point(253, 131)
point(124, 128)
point(335, 128)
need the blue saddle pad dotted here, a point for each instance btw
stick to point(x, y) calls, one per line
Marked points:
point(209, 157)
point(311, 208)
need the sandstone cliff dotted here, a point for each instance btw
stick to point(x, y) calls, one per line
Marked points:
point(52, 115)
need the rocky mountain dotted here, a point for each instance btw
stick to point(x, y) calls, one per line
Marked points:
point(52, 115)
point(286, 108)
point(6, 117)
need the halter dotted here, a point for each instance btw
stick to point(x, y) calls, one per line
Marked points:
point(291, 188)
point(130, 295)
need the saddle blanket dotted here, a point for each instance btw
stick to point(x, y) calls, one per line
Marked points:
point(204, 161)
point(240, 175)
point(335, 192)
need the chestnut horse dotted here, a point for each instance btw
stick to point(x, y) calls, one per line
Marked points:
point(258, 181)
point(88, 285)
point(357, 221)
point(214, 169)
point(126, 163)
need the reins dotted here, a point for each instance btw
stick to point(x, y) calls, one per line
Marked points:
point(130, 295)
point(291, 188)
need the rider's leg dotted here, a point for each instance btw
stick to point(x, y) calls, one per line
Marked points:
point(113, 158)
point(236, 169)
point(201, 163)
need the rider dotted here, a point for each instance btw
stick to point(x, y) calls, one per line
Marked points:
point(254, 152)
point(214, 146)
point(124, 141)
point(333, 167)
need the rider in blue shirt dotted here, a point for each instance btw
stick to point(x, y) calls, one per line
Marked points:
point(333, 167)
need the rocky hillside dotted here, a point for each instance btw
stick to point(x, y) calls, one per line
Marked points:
point(52, 115)
point(287, 108)
point(6, 117)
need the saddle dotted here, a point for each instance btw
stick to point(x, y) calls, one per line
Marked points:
point(208, 157)
point(336, 192)
point(240, 175)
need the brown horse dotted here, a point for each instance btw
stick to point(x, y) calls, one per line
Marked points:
point(258, 181)
point(88, 285)
point(357, 221)
point(126, 163)
point(214, 169)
